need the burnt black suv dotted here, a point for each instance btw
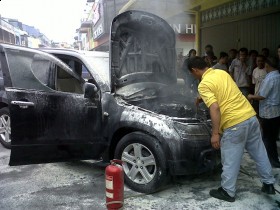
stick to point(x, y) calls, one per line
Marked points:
point(5, 126)
point(130, 107)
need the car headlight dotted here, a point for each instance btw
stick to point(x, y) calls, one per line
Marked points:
point(192, 131)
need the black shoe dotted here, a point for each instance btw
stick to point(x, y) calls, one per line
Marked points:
point(268, 189)
point(275, 163)
point(221, 194)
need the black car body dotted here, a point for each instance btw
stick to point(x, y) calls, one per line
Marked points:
point(130, 106)
point(5, 126)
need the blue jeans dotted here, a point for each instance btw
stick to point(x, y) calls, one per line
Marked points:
point(245, 135)
point(245, 91)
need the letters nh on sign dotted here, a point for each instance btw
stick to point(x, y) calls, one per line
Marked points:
point(184, 28)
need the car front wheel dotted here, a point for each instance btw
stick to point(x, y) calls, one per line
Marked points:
point(144, 162)
point(5, 127)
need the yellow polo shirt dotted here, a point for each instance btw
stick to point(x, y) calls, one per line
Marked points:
point(218, 86)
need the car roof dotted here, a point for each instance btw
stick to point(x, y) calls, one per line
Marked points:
point(28, 49)
point(12, 46)
point(74, 52)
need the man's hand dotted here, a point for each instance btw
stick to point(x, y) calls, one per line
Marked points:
point(255, 97)
point(198, 100)
point(250, 97)
point(216, 119)
point(215, 141)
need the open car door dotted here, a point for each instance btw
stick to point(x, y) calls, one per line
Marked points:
point(51, 120)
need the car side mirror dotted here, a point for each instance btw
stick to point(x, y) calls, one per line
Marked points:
point(90, 90)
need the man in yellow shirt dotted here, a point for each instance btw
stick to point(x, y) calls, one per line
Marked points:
point(234, 128)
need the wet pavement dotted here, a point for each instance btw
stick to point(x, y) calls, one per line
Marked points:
point(81, 185)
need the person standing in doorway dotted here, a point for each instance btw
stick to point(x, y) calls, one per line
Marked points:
point(189, 81)
point(253, 59)
point(234, 121)
point(265, 52)
point(258, 76)
point(240, 71)
point(208, 48)
point(232, 54)
point(222, 63)
point(269, 109)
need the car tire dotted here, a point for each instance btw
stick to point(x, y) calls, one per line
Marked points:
point(5, 127)
point(146, 171)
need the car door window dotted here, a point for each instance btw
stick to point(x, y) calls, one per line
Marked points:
point(77, 66)
point(41, 71)
point(28, 69)
point(68, 83)
point(85, 73)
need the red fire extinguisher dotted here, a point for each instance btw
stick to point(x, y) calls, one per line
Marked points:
point(114, 185)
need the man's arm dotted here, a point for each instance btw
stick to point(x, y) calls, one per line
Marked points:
point(255, 97)
point(198, 100)
point(231, 69)
point(207, 94)
point(216, 120)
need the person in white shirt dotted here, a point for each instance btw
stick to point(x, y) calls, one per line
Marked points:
point(240, 71)
point(258, 76)
point(259, 73)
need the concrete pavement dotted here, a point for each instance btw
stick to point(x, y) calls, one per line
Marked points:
point(81, 185)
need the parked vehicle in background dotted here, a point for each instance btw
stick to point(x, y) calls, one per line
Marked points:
point(130, 107)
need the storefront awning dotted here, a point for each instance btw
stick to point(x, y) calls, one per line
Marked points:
point(164, 8)
point(86, 24)
point(169, 8)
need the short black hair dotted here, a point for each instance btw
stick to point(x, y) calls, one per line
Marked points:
point(197, 62)
point(243, 49)
point(223, 54)
point(233, 50)
point(209, 46)
point(271, 61)
point(265, 49)
point(190, 52)
point(253, 52)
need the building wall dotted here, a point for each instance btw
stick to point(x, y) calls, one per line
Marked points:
point(103, 14)
point(254, 33)
point(245, 23)
point(7, 33)
point(182, 22)
point(184, 26)
point(33, 42)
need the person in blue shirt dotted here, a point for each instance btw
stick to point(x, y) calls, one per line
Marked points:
point(269, 109)
point(278, 53)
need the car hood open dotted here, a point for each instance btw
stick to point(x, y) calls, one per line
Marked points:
point(142, 49)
